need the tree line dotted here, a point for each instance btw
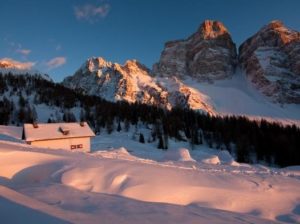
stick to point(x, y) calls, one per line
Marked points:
point(250, 141)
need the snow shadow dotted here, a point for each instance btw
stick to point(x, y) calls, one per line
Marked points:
point(10, 138)
point(290, 218)
point(297, 210)
point(34, 175)
point(9, 209)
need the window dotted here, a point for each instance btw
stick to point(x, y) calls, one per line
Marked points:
point(79, 146)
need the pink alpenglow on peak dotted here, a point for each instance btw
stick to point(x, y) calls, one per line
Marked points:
point(207, 55)
point(134, 82)
point(8, 63)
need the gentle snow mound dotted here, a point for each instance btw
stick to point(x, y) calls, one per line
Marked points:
point(292, 170)
point(207, 157)
point(121, 150)
point(212, 160)
point(10, 133)
point(181, 154)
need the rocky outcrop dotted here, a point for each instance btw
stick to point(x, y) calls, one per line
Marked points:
point(133, 82)
point(207, 55)
point(270, 58)
point(271, 61)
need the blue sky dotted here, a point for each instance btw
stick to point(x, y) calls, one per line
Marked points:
point(59, 35)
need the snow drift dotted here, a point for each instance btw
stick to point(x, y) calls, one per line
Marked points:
point(181, 154)
point(118, 187)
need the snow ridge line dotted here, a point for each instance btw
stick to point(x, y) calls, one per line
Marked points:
point(194, 167)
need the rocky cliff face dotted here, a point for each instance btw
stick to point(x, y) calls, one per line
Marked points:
point(271, 60)
point(133, 82)
point(207, 55)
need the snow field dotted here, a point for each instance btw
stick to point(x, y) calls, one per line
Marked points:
point(137, 183)
point(236, 96)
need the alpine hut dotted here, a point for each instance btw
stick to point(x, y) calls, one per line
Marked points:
point(72, 136)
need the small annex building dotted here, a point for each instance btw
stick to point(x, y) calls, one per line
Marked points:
point(71, 136)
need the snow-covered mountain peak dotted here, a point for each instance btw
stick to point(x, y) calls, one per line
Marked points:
point(211, 29)
point(207, 55)
point(275, 24)
point(280, 32)
point(8, 65)
point(271, 60)
point(135, 67)
point(99, 66)
point(11, 65)
point(95, 63)
point(133, 82)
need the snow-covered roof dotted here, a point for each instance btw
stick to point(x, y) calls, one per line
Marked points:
point(49, 131)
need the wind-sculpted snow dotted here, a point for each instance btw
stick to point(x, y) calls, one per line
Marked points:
point(117, 186)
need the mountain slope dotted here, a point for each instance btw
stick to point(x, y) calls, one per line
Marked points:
point(234, 95)
point(133, 82)
point(237, 96)
point(270, 59)
point(200, 73)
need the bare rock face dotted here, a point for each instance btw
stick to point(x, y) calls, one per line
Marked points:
point(271, 60)
point(133, 82)
point(113, 82)
point(207, 55)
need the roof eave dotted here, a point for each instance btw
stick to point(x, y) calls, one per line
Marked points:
point(46, 139)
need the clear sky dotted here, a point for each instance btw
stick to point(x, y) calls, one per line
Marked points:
point(59, 35)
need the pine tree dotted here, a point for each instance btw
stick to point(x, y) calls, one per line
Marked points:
point(160, 142)
point(119, 127)
point(141, 139)
point(200, 138)
point(82, 116)
point(21, 115)
point(166, 142)
point(109, 125)
point(126, 125)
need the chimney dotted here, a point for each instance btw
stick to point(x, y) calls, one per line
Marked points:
point(64, 130)
point(35, 124)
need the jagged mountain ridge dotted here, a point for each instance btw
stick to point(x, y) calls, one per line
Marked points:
point(133, 82)
point(207, 55)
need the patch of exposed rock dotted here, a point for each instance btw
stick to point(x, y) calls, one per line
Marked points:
point(207, 55)
point(271, 61)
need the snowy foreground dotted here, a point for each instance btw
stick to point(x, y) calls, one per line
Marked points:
point(123, 181)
